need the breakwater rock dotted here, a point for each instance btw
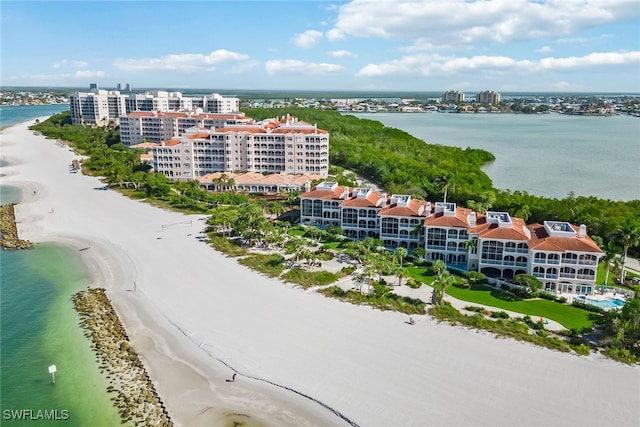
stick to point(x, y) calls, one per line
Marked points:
point(9, 230)
point(135, 395)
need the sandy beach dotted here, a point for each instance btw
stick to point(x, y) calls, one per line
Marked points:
point(196, 317)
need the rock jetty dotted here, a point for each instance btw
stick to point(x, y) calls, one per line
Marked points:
point(9, 230)
point(135, 395)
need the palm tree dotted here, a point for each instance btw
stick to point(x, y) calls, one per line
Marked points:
point(610, 252)
point(445, 279)
point(629, 236)
point(446, 183)
point(401, 253)
point(471, 245)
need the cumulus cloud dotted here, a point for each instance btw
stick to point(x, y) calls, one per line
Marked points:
point(461, 22)
point(308, 39)
point(343, 53)
point(184, 62)
point(438, 65)
point(73, 63)
point(294, 66)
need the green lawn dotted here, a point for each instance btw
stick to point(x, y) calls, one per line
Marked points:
point(568, 316)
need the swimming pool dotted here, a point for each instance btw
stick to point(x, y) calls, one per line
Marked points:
point(606, 303)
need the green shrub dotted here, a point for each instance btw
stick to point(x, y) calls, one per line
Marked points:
point(622, 355)
point(588, 307)
point(500, 315)
point(307, 279)
point(413, 283)
point(581, 349)
point(546, 295)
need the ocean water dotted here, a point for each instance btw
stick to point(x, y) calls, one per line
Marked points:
point(39, 327)
point(544, 154)
point(12, 114)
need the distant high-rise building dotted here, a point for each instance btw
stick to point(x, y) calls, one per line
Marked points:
point(488, 97)
point(128, 87)
point(100, 107)
point(93, 86)
point(119, 86)
point(454, 96)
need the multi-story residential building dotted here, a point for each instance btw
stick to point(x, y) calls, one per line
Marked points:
point(273, 146)
point(562, 256)
point(158, 126)
point(98, 107)
point(320, 206)
point(401, 221)
point(488, 97)
point(453, 96)
point(360, 212)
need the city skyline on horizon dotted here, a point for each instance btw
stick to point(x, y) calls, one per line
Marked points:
point(533, 46)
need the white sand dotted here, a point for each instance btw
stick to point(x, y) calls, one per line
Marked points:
point(196, 315)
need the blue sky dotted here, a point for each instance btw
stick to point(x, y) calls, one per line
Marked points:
point(428, 45)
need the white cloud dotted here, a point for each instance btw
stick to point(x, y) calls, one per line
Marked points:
point(83, 74)
point(335, 35)
point(308, 39)
point(430, 23)
point(340, 53)
point(184, 62)
point(242, 67)
point(438, 65)
point(294, 66)
point(80, 77)
point(545, 49)
point(73, 63)
point(591, 60)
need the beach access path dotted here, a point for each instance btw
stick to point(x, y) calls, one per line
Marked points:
point(196, 317)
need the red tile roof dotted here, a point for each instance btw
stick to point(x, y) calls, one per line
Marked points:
point(412, 209)
point(371, 201)
point(541, 241)
point(324, 194)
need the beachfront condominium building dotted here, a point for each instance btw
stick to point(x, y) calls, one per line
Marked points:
point(284, 145)
point(561, 255)
point(158, 126)
point(362, 212)
point(160, 100)
point(100, 107)
point(488, 97)
point(453, 96)
point(97, 108)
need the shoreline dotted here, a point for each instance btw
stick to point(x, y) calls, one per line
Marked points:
point(196, 323)
point(185, 372)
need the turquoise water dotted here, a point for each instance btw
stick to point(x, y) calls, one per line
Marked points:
point(9, 194)
point(607, 303)
point(40, 328)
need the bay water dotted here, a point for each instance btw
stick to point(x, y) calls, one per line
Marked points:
point(547, 155)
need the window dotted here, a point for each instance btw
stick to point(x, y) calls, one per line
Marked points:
point(492, 250)
point(390, 226)
point(436, 237)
